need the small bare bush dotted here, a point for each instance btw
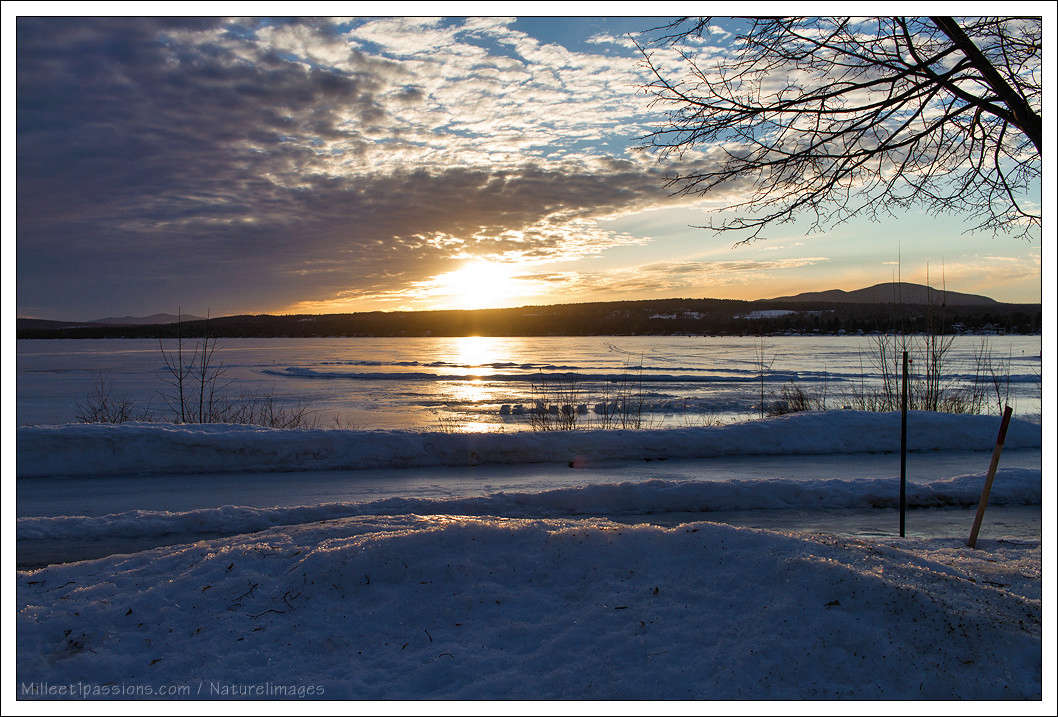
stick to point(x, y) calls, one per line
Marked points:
point(446, 424)
point(622, 403)
point(259, 410)
point(101, 405)
point(793, 399)
point(555, 404)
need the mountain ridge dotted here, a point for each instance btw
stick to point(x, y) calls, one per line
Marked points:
point(141, 320)
point(891, 293)
point(152, 320)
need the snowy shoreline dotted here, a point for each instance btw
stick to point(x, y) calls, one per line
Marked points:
point(150, 448)
point(413, 607)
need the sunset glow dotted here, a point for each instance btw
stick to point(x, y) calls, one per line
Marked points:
point(423, 163)
point(477, 285)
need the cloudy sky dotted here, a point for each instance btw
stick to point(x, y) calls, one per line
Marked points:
point(331, 165)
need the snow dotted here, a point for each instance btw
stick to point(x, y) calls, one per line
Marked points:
point(423, 582)
point(137, 448)
point(458, 607)
point(766, 314)
point(1013, 486)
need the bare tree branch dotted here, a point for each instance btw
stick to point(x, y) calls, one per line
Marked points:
point(836, 117)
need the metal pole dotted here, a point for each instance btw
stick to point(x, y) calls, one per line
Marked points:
point(972, 542)
point(903, 451)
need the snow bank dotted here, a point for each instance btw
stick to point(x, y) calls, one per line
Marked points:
point(765, 314)
point(135, 448)
point(474, 608)
point(1013, 486)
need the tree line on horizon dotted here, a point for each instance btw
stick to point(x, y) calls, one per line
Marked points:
point(644, 317)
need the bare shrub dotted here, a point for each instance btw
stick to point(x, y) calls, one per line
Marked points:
point(793, 399)
point(699, 420)
point(929, 386)
point(259, 410)
point(446, 424)
point(622, 404)
point(560, 403)
point(995, 374)
point(555, 404)
point(102, 406)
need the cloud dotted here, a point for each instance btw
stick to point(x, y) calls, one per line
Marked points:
point(984, 271)
point(252, 164)
point(675, 278)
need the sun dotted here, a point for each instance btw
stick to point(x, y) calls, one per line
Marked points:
point(477, 285)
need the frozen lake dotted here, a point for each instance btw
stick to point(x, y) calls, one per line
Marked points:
point(151, 485)
point(489, 384)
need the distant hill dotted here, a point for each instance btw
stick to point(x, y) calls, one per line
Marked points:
point(144, 320)
point(890, 293)
point(47, 324)
point(152, 320)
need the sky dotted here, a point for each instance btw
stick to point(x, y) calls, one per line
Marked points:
point(231, 166)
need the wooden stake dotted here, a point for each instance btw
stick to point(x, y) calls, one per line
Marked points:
point(972, 542)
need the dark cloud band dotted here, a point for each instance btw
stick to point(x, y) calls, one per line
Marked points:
point(160, 158)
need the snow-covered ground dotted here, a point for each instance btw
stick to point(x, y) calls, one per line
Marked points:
point(471, 607)
point(1013, 486)
point(385, 564)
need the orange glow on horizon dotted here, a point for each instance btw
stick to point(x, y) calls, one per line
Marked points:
point(484, 284)
point(461, 292)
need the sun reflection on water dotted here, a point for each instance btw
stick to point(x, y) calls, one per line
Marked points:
point(475, 356)
point(476, 351)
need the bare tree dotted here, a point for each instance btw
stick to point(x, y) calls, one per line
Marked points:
point(209, 372)
point(183, 369)
point(215, 403)
point(836, 117)
point(177, 372)
point(763, 361)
